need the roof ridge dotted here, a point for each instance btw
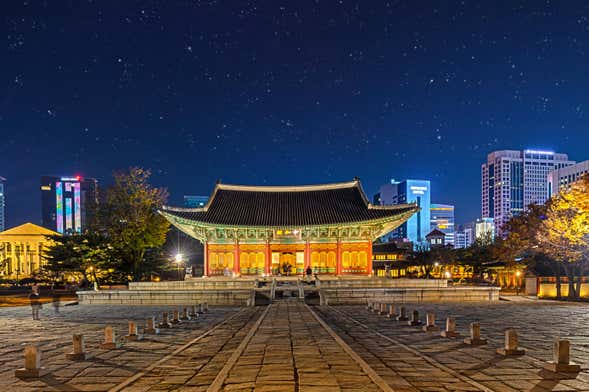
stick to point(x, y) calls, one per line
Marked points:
point(288, 188)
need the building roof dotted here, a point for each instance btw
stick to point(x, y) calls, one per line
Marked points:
point(27, 229)
point(307, 205)
point(435, 233)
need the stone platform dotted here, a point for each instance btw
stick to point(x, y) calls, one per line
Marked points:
point(322, 290)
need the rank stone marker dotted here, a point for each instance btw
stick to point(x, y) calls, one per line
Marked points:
point(206, 307)
point(392, 314)
point(133, 335)
point(193, 312)
point(430, 323)
point(369, 306)
point(475, 335)
point(383, 309)
point(562, 358)
point(414, 319)
point(184, 316)
point(150, 327)
point(450, 331)
point(403, 314)
point(511, 343)
point(165, 323)
point(110, 342)
point(201, 308)
point(32, 367)
point(176, 317)
point(79, 353)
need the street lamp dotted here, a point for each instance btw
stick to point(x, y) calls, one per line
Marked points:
point(178, 259)
point(517, 281)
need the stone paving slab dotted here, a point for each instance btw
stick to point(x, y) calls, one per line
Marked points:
point(105, 369)
point(537, 324)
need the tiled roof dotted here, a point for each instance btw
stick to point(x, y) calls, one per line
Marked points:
point(238, 205)
point(28, 229)
point(435, 233)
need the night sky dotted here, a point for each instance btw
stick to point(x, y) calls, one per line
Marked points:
point(287, 92)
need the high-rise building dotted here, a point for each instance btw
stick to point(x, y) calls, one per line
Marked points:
point(442, 218)
point(463, 238)
point(2, 205)
point(409, 191)
point(561, 179)
point(68, 203)
point(195, 201)
point(484, 229)
point(512, 180)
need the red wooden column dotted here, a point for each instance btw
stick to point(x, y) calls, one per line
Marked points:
point(236, 258)
point(338, 258)
point(307, 255)
point(268, 258)
point(206, 259)
point(369, 252)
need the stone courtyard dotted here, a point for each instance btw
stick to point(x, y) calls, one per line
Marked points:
point(290, 346)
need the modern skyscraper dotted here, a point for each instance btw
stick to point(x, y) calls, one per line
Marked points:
point(195, 201)
point(561, 179)
point(484, 229)
point(463, 238)
point(409, 191)
point(68, 203)
point(442, 218)
point(2, 205)
point(512, 180)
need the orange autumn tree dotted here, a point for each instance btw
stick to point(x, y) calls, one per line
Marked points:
point(564, 232)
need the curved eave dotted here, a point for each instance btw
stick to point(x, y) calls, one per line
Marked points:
point(388, 223)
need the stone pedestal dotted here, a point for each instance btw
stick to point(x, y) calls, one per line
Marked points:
point(165, 323)
point(32, 367)
point(430, 323)
point(403, 314)
point(392, 312)
point(133, 334)
point(562, 359)
point(184, 316)
point(414, 319)
point(475, 335)
point(176, 317)
point(450, 331)
point(150, 327)
point(193, 312)
point(79, 353)
point(382, 309)
point(110, 342)
point(511, 344)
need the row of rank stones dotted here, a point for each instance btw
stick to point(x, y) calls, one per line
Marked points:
point(561, 356)
point(32, 354)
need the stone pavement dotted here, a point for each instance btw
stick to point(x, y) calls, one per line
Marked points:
point(106, 369)
point(537, 323)
point(285, 348)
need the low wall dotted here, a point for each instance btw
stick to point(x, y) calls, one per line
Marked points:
point(195, 284)
point(548, 290)
point(382, 283)
point(166, 297)
point(448, 294)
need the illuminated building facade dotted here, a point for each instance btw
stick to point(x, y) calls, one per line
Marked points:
point(67, 203)
point(442, 218)
point(409, 191)
point(561, 179)
point(512, 180)
point(21, 250)
point(271, 230)
point(464, 237)
point(2, 204)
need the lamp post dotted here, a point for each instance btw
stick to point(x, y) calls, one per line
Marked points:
point(178, 259)
point(517, 281)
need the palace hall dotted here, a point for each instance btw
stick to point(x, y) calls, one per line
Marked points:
point(271, 230)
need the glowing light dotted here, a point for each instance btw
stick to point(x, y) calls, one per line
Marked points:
point(447, 274)
point(77, 208)
point(178, 258)
point(59, 206)
point(539, 152)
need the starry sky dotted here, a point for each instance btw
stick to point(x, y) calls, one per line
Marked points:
point(286, 92)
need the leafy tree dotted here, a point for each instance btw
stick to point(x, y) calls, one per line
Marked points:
point(129, 216)
point(87, 254)
point(564, 232)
